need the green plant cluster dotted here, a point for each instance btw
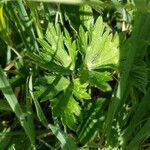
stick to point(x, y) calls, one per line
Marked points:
point(74, 74)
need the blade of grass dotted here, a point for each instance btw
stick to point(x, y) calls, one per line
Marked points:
point(36, 19)
point(15, 106)
point(12, 13)
point(129, 52)
point(143, 134)
point(5, 138)
point(27, 22)
point(142, 109)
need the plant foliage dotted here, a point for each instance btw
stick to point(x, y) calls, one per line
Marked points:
point(74, 74)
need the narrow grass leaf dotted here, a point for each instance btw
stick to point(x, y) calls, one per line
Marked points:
point(15, 106)
point(142, 135)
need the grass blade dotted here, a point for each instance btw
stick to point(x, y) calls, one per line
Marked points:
point(15, 106)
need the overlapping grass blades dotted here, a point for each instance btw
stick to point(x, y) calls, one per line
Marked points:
point(92, 122)
point(132, 51)
point(24, 117)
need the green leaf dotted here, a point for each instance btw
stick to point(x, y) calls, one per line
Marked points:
point(60, 103)
point(49, 86)
point(56, 47)
point(102, 49)
point(72, 49)
point(97, 79)
point(80, 90)
point(67, 142)
point(83, 40)
point(70, 113)
point(48, 64)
